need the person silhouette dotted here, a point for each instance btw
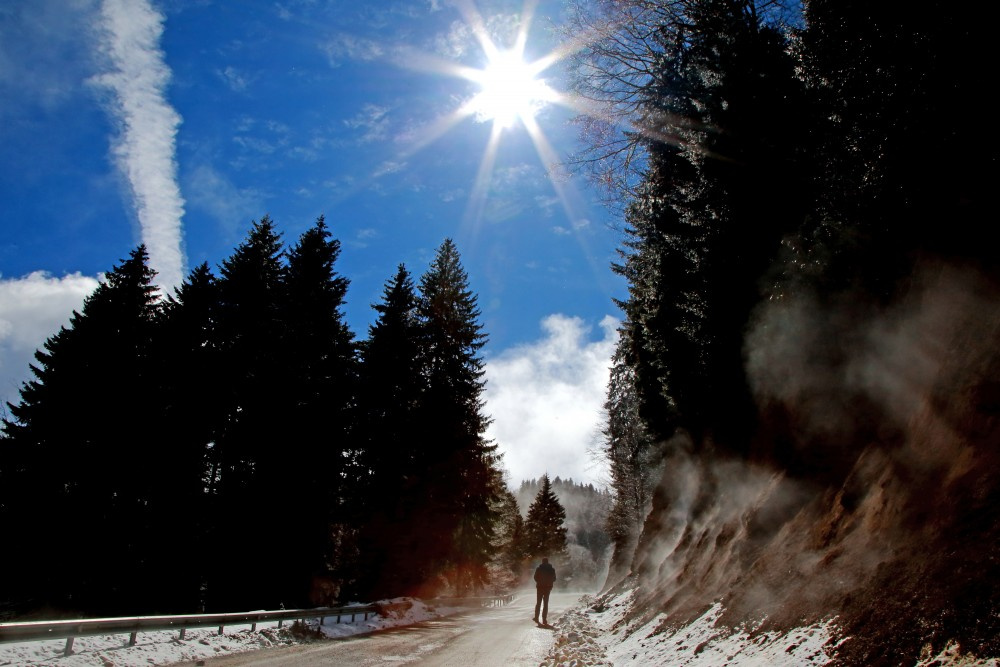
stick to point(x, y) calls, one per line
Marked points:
point(545, 578)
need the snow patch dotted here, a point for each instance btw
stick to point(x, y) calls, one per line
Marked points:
point(165, 648)
point(596, 634)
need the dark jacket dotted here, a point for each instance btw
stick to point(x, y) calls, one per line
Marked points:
point(545, 575)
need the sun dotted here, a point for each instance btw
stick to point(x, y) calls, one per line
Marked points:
point(510, 90)
point(510, 93)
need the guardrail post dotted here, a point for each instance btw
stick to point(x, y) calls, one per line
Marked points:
point(221, 628)
point(69, 646)
point(253, 627)
point(183, 631)
point(133, 637)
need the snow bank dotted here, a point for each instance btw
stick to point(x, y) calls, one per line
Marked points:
point(596, 635)
point(164, 648)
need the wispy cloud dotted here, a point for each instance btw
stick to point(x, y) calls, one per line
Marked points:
point(373, 120)
point(389, 167)
point(363, 237)
point(460, 39)
point(545, 398)
point(237, 80)
point(137, 77)
point(32, 308)
point(578, 226)
point(343, 46)
point(547, 204)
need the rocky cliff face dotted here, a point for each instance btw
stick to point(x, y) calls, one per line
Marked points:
point(872, 495)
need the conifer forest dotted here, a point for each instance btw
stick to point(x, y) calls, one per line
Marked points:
point(293, 464)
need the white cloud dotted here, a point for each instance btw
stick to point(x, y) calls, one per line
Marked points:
point(546, 398)
point(32, 308)
point(145, 148)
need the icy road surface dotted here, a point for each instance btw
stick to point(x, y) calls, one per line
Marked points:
point(496, 636)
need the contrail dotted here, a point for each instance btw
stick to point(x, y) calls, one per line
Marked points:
point(137, 76)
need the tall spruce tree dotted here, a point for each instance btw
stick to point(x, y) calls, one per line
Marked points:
point(252, 384)
point(392, 387)
point(73, 448)
point(455, 461)
point(544, 529)
point(318, 462)
point(186, 357)
point(632, 461)
point(720, 113)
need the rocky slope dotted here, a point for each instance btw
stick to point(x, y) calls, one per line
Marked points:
point(869, 505)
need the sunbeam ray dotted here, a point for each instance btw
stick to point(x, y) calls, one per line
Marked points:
point(484, 177)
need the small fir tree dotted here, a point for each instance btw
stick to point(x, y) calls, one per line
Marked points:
point(545, 530)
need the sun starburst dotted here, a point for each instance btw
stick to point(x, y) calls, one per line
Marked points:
point(510, 90)
point(511, 94)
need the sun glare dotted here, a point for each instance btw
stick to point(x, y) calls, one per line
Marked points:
point(510, 90)
point(510, 93)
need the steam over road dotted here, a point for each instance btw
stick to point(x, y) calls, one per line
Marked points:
point(499, 636)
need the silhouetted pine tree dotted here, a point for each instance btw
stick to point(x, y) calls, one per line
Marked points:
point(544, 532)
point(252, 385)
point(186, 367)
point(392, 385)
point(455, 461)
point(317, 464)
point(75, 451)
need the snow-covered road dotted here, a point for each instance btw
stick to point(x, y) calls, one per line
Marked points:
point(497, 636)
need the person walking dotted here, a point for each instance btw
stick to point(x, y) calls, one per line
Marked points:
point(545, 578)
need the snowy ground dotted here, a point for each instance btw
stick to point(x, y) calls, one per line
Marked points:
point(584, 637)
point(164, 648)
point(587, 638)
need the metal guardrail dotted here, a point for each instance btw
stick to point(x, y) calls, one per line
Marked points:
point(71, 629)
point(487, 601)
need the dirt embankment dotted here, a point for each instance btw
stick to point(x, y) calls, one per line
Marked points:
point(880, 507)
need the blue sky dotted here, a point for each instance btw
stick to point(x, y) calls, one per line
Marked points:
point(179, 122)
